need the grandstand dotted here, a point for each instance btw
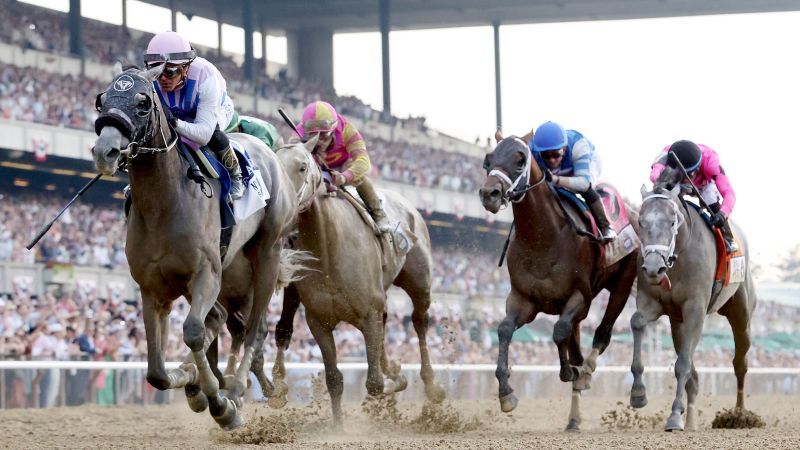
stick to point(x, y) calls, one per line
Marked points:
point(77, 283)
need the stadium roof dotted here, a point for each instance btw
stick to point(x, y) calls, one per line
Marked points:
point(362, 15)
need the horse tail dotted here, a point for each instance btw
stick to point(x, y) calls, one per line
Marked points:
point(291, 264)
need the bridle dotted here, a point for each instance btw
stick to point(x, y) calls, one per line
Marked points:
point(666, 252)
point(518, 187)
point(120, 119)
point(304, 204)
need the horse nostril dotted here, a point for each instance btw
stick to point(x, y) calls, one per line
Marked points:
point(662, 270)
point(113, 153)
point(494, 193)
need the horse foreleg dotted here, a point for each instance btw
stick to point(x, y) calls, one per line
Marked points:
point(519, 311)
point(563, 334)
point(372, 329)
point(156, 329)
point(194, 395)
point(204, 288)
point(581, 382)
point(283, 336)
point(647, 310)
point(265, 276)
point(689, 331)
point(333, 377)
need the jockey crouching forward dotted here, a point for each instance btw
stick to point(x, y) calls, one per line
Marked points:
point(195, 99)
point(703, 167)
point(570, 161)
point(343, 153)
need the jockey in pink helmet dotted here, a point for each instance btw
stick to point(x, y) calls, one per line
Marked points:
point(195, 99)
point(343, 153)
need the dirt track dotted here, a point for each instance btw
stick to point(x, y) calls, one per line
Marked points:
point(536, 423)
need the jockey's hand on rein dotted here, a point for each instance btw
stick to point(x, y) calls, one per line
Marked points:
point(718, 219)
point(171, 119)
point(338, 178)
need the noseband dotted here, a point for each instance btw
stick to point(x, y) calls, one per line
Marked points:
point(666, 252)
point(518, 187)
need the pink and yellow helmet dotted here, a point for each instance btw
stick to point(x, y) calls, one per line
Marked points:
point(319, 117)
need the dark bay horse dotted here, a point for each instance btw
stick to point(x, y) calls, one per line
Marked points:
point(173, 239)
point(553, 269)
point(676, 278)
point(347, 280)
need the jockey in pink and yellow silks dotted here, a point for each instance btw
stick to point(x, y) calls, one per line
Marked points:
point(343, 153)
point(703, 167)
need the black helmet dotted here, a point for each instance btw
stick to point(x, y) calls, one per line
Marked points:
point(688, 153)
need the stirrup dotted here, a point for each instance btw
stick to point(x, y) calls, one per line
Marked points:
point(731, 246)
point(235, 193)
point(607, 235)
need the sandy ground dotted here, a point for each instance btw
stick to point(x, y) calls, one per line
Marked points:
point(454, 425)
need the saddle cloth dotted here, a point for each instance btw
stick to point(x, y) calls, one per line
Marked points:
point(395, 244)
point(617, 213)
point(731, 267)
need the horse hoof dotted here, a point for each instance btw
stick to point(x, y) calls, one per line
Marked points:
point(435, 393)
point(568, 373)
point(583, 382)
point(389, 386)
point(231, 418)
point(198, 402)
point(402, 383)
point(277, 402)
point(573, 426)
point(279, 388)
point(674, 423)
point(508, 402)
point(639, 401)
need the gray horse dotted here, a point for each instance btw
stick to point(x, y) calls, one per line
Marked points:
point(348, 281)
point(173, 239)
point(676, 277)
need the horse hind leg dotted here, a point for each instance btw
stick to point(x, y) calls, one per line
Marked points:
point(738, 315)
point(418, 288)
point(563, 333)
point(395, 380)
point(333, 377)
point(283, 336)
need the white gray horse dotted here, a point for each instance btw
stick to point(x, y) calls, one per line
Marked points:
point(676, 277)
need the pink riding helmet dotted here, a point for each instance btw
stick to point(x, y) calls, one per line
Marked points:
point(170, 47)
point(319, 117)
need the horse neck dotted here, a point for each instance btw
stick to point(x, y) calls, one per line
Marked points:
point(537, 217)
point(317, 229)
point(157, 185)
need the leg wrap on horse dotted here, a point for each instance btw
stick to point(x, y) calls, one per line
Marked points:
point(373, 203)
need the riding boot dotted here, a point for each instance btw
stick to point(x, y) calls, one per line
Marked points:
point(607, 234)
point(228, 159)
point(373, 203)
point(730, 242)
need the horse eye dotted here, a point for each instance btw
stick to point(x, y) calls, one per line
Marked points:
point(303, 168)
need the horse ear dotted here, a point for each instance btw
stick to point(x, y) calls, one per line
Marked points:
point(644, 191)
point(117, 69)
point(498, 136)
point(676, 190)
point(311, 143)
point(154, 73)
point(528, 137)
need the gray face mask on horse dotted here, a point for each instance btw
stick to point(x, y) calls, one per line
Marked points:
point(127, 105)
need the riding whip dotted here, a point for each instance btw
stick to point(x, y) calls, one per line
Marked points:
point(505, 246)
point(46, 228)
point(289, 121)
point(686, 175)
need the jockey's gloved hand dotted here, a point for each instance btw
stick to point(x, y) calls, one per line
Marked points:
point(718, 219)
point(338, 178)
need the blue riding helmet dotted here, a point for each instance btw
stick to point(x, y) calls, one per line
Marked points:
point(549, 136)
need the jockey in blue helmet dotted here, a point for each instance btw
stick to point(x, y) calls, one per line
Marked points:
point(570, 162)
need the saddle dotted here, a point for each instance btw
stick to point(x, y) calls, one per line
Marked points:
point(616, 211)
point(396, 243)
point(731, 267)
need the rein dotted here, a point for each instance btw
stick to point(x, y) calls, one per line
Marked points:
point(511, 192)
